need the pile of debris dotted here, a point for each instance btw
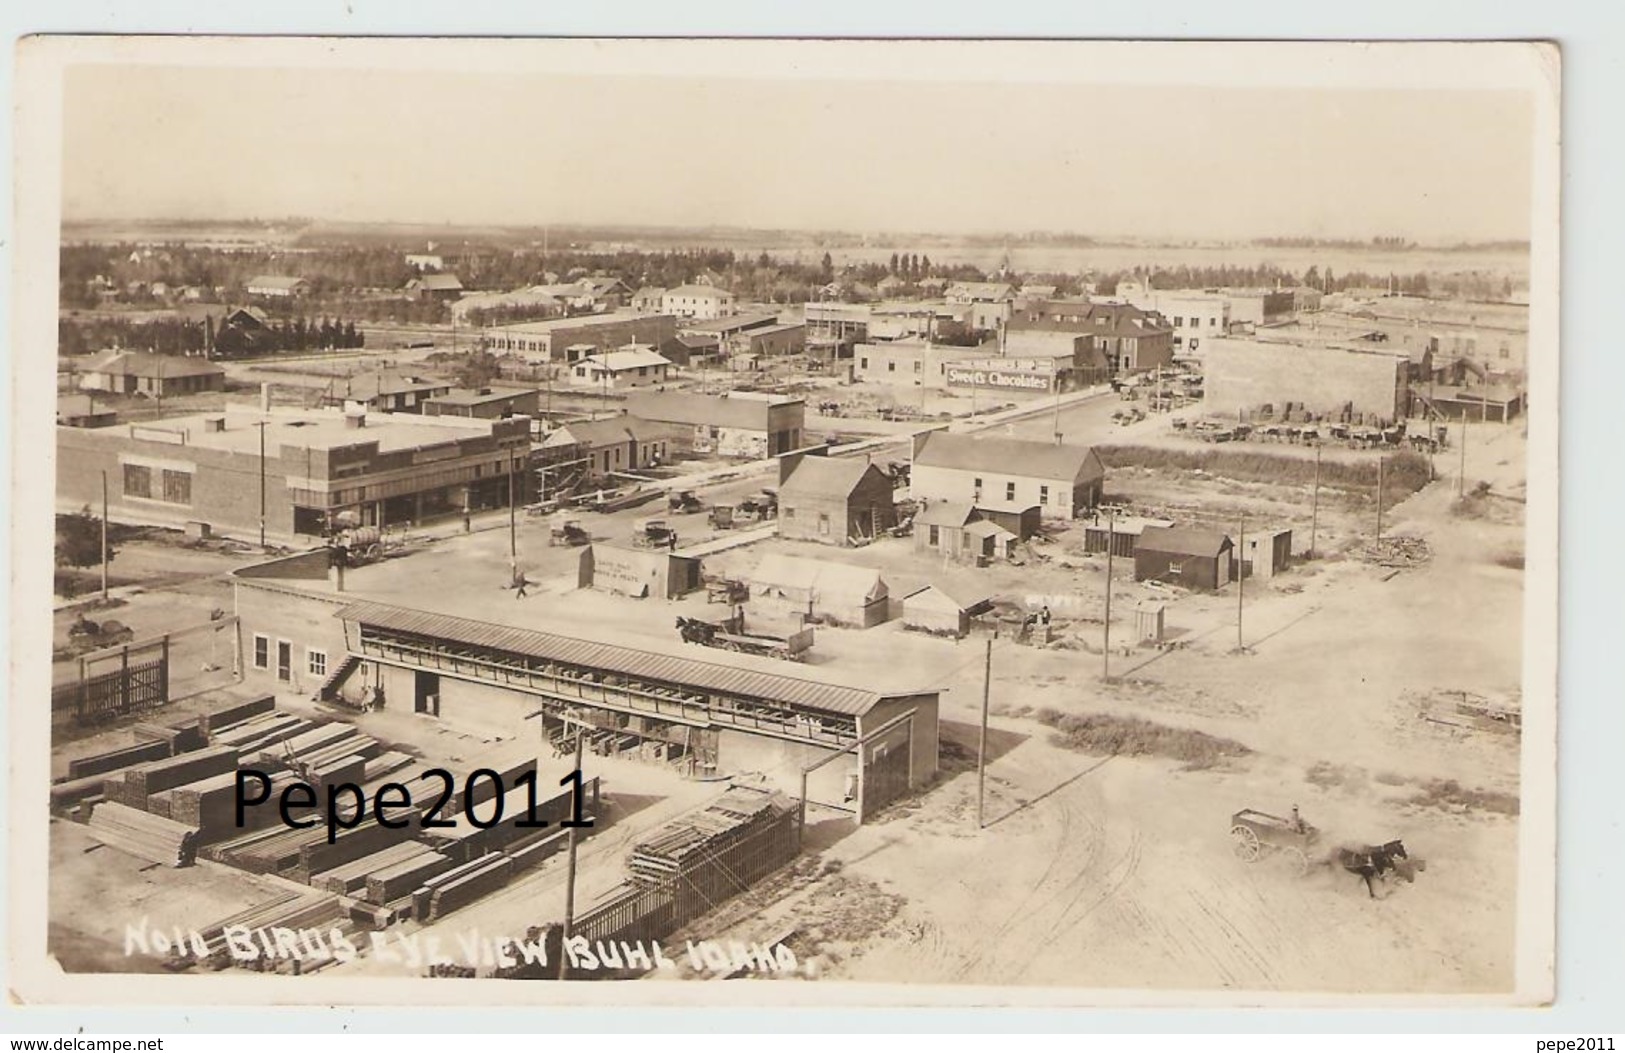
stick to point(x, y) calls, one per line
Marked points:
point(1395, 552)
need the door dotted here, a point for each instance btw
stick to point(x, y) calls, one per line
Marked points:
point(284, 660)
point(426, 692)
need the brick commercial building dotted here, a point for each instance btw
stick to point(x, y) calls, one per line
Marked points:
point(1133, 340)
point(833, 500)
point(568, 340)
point(209, 468)
point(1342, 383)
point(1006, 475)
point(740, 424)
point(155, 376)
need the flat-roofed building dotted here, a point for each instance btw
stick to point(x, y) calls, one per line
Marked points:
point(739, 424)
point(489, 403)
point(1341, 383)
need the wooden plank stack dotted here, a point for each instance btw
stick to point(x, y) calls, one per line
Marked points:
point(458, 887)
point(147, 836)
point(179, 739)
point(346, 878)
point(689, 842)
point(261, 732)
point(99, 763)
point(233, 714)
point(144, 780)
point(318, 855)
point(391, 883)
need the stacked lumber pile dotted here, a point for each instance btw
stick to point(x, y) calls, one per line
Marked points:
point(101, 763)
point(260, 732)
point(463, 841)
point(179, 738)
point(461, 885)
point(385, 886)
point(346, 878)
point(210, 805)
point(269, 851)
point(146, 836)
point(233, 713)
point(142, 781)
point(160, 803)
point(691, 841)
point(292, 911)
point(319, 855)
point(321, 745)
point(1399, 552)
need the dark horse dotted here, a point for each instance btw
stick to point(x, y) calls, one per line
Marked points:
point(1371, 862)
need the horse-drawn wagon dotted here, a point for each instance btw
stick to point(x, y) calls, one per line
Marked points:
point(1256, 835)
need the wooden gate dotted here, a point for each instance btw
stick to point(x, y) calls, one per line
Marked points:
point(132, 687)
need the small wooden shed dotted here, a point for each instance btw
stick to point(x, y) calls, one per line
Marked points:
point(931, 610)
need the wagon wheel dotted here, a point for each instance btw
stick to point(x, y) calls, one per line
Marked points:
point(1294, 860)
point(1247, 847)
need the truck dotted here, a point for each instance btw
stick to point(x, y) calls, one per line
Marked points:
point(653, 533)
point(730, 635)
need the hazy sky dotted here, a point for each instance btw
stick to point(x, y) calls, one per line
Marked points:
point(438, 145)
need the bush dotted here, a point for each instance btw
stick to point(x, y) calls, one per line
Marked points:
point(1103, 733)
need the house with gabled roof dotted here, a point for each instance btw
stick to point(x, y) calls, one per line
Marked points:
point(1009, 476)
point(833, 500)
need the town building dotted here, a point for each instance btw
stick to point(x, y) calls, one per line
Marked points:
point(1006, 474)
point(304, 465)
point(593, 449)
point(959, 530)
point(932, 610)
point(488, 403)
point(697, 301)
point(1257, 307)
point(1194, 315)
point(647, 300)
point(568, 340)
point(770, 341)
point(739, 424)
point(425, 261)
point(833, 500)
point(1133, 340)
point(155, 376)
point(384, 391)
point(912, 362)
point(708, 717)
point(435, 287)
point(1265, 553)
point(1341, 383)
point(632, 366)
point(1184, 556)
point(1118, 534)
point(822, 591)
point(81, 411)
point(276, 287)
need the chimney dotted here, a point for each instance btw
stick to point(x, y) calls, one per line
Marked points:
point(355, 418)
point(265, 396)
point(214, 424)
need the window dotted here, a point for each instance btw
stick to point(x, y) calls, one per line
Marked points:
point(1043, 495)
point(262, 651)
point(1179, 321)
point(891, 367)
point(789, 513)
point(316, 661)
point(934, 538)
point(863, 363)
point(1175, 567)
point(978, 484)
point(178, 487)
point(137, 480)
point(823, 523)
point(1009, 491)
point(1506, 352)
point(1213, 323)
point(918, 366)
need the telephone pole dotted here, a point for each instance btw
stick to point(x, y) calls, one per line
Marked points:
point(1314, 507)
point(1241, 581)
point(570, 867)
point(1106, 640)
point(981, 748)
point(1380, 462)
point(261, 426)
point(513, 522)
point(104, 536)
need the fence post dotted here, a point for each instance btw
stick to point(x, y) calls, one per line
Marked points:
point(124, 679)
point(163, 673)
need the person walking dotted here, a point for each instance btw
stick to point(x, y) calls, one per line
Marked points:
point(519, 586)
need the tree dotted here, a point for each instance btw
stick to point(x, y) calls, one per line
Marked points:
point(477, 369)
point(925, 267)
point(826, 269)
point(894, 263)
point(79, 540)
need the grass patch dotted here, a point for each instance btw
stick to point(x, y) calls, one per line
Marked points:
point(1102, 733)
point(1450, 795)
point(1404, 472)
point(1327, 776)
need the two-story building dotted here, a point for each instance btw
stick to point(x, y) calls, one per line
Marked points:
point(1132, 339)
point(739, 424)
point(697, 301)
point(1006, 476)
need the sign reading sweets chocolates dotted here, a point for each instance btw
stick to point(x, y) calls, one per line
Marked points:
point(1009, 374)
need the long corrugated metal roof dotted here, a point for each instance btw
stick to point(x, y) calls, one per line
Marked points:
point(648, 665)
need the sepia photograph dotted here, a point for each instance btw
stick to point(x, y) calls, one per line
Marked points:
point(883, 522)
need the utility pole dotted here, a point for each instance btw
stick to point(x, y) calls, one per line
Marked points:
point(104, 536)
point(1380, 462)
point(513, 522)
point(1461, 478)
point(1314, 507)
point(1106, 640)
point(1241, 581)
point(981, 749)
point(261, 426)
point(570, 867)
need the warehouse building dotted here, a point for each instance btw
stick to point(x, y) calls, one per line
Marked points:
point(833, 500)
point(1006, 475)
point(384, 391)
point(566, 341)
point(1189, 558)
point(633, 366)
point(739, 424)
point(1340, 383)
point(387, 469)
point(485, 403)
point(594, 449)
point(487, 679)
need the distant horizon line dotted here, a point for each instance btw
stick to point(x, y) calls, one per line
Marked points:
point(1374, 241)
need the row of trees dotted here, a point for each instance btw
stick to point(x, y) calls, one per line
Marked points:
point(166, 336)
point(298, 334)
